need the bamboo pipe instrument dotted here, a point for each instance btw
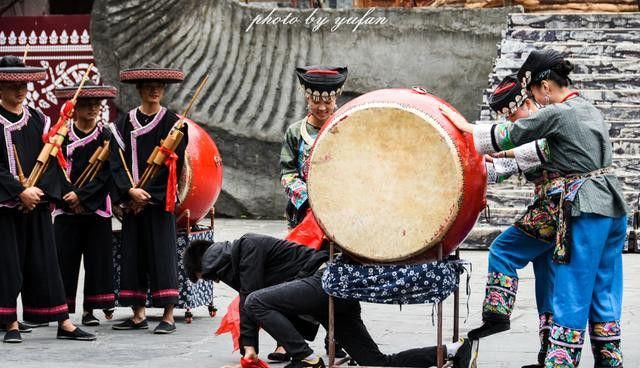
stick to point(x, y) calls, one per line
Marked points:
point(170, 143)
point(89, 168)
point(21, 177)
point(102, 158)
point(50, 148)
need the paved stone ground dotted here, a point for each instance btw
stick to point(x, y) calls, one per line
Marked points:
point(196, 346)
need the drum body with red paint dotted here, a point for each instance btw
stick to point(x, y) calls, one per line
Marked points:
point(390, 178)
point(201, 179)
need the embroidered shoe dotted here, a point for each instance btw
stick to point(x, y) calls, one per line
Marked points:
point(130, 325)
point(90, 320)
point(21, 327)
point(164, 328)
point(77, 334)
point(318, 363)
point(12, 337)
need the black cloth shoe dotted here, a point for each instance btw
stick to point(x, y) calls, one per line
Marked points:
point(278, 357)
point(76, 334)
point(319, 363)
point(467, 354)
point(34, 324)
point(488, 328)
point(12, 337)
point(21, 327)
point(130, 325)
point(90, 320)
point(164, 328)
point(533, 366)
point(108, 313)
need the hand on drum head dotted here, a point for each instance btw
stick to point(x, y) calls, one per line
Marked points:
point(456, 119)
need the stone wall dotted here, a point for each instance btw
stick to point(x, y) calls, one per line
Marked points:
point(605, 51)
point(253, 96)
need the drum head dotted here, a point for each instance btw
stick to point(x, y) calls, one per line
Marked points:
point(385, 181)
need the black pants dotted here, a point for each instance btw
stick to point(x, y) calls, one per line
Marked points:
point(295, 215)
point(149, 258)
point(87, 236)
point(29, 265)
point(270, 306)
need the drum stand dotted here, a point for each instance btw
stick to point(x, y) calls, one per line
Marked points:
point(440, 346)
point(188, 316)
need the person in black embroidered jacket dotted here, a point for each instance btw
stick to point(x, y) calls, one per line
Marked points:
point(148, 229)
point(83, 223)
point(279, 285)
point(28, 265)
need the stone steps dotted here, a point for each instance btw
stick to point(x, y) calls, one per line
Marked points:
point(515, 48)
point(576, 34)
point(581, 65)
point(575, 20)
point(597, 96)
point(608, 81)
point(610, 111)
point(605, 51)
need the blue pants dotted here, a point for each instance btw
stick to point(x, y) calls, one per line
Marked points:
point(513, 250)
point(589, 289)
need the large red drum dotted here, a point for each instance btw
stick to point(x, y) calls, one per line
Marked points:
point(201, 179)
point(390, 178)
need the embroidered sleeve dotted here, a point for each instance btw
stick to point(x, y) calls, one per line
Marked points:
point(482, 138)
point(532, 155)
point(290, 178)
point(295, 188)
point(500, 170)
point(501, 136)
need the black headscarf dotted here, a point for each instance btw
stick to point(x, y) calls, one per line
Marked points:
point(538, 66)
point(322, 81)
point(508, 96)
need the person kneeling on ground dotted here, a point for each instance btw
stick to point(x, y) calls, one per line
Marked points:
point(278, 279)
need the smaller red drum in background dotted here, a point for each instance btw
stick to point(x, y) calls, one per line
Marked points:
point(201, 179)
point(390, 178)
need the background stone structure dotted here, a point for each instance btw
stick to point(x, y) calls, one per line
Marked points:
point(253, 94)
point(605, 50)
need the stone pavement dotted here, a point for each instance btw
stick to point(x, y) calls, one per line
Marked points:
point(394, 328)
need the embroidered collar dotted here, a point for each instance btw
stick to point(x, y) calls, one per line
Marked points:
point(9, 127)
point(137, 125)
point(138, 131)
point(76, 141)
point(305, 133)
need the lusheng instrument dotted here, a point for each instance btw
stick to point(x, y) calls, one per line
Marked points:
point(164, 154)
point(21, 177)
point(54, 139)
point(391, 179)
point(96, 162)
